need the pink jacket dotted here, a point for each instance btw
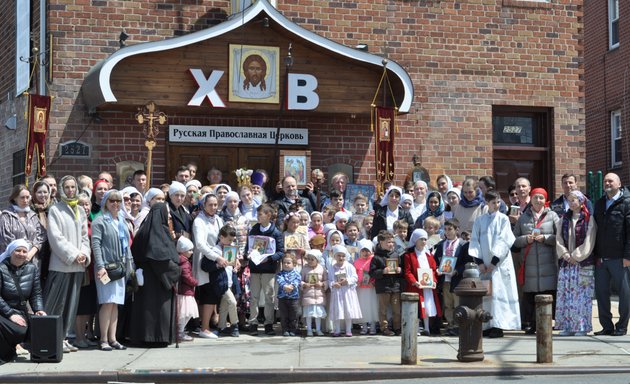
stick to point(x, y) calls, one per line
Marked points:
point(312, 295)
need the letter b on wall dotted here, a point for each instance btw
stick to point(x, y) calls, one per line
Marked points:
point(301, 93)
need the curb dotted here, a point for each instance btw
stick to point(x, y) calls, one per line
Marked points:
point(294, 375)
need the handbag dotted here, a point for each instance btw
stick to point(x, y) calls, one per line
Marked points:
point(208, 265)
point(115, 270)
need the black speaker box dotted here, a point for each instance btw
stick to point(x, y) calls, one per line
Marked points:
point(46, 339)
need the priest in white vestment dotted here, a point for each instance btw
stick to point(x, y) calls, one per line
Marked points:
point(490, 241)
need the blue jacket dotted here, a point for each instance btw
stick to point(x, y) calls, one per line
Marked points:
point(285, 278)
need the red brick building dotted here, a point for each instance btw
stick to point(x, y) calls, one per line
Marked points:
point(605, 73)
point(496, 85)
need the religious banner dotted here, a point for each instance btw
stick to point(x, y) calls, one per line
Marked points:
point(37, 116)
point(383, 124)
point(385, 119)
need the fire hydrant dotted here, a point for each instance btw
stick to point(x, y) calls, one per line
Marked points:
point(470, 315)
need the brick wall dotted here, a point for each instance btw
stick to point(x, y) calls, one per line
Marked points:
point(606, 73)
point(463, 57)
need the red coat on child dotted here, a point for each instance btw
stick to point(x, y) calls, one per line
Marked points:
point(187, 282)
point(410, 273)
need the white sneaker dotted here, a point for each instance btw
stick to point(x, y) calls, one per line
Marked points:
point(208, 335)
point(69, 347)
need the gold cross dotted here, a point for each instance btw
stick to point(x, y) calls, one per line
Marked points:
point(150, 118)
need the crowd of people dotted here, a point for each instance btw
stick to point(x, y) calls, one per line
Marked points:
point(152, 266)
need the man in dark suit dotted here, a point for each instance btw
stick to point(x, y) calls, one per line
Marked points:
point(612, 254)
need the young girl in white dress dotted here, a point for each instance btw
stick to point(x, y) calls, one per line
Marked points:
point(344, 303)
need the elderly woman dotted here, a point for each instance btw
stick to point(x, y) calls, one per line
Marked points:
point(180, 217)
point(192, 194)
point(153, 311)
point(575, 239)
point(535, 233)
point(19, 284)
point(231, 213)
point(20, 222)
point(70, 255)
point(110, 244)
point(420, 199)
point(390, 212)
point(152, 197)
point(206, 233)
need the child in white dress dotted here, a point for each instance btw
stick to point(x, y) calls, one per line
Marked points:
point(344, 303)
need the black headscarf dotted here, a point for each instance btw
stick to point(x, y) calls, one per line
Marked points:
point(153, 240)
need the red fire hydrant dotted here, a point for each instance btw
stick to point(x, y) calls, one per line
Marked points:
point(470, 315)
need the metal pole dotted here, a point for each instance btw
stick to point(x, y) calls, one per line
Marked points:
point(544, 342)
point(409, 335)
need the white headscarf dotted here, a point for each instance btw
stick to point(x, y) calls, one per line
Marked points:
point(151, 193)
point(129, 190)
point(339, 248)
point(417, 234)
point(329, 235)
point(455, 191)
point(316, 253)
point(328, 228)
point(366, 244)
point(12, 246)
point(229, 189)
point(341, 215)
point(385, 199)
point(196, 183)
point(176, 187)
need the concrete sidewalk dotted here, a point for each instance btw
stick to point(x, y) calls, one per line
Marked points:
point(280, 359)
point(294, 359)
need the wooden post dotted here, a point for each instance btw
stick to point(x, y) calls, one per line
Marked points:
point(544, 330)
point(409, 334)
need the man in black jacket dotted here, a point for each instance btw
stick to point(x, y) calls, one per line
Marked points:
point(291, 196)
point(612, 254)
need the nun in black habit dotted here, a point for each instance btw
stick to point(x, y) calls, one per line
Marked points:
point(153, 311)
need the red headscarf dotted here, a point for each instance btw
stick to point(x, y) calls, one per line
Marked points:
point(97, 182)
point(540, 191)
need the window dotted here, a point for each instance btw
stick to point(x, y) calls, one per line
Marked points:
point(615, 138)
point(613, 24)
point(19, 161)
